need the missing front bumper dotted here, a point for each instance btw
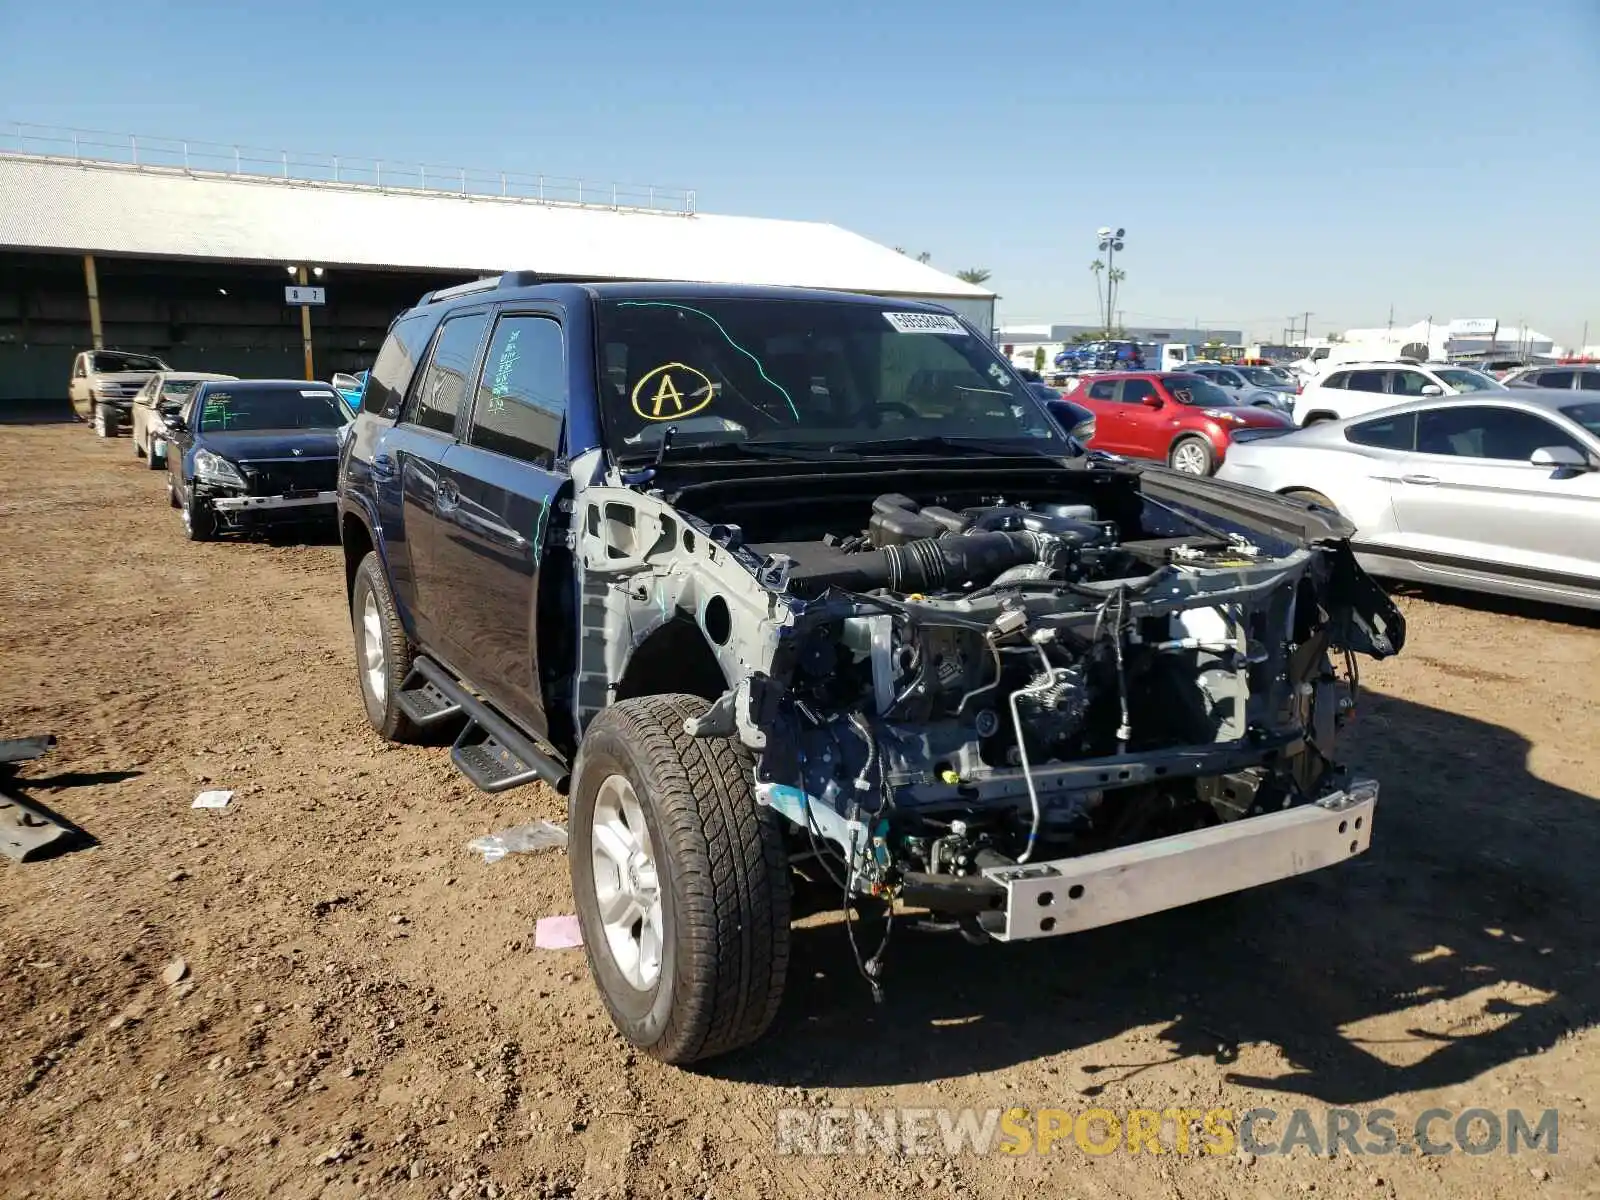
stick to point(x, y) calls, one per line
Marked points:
point(1048, 899)
point(250, 504)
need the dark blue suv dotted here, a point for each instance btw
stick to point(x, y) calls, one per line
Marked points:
point(778, 583)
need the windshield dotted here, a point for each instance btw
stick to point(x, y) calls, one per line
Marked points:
point(109, 362)
point(246, 410)
point(1469, 381)
point(1587, 415)
point(1191, 389)
point(1260, 376)
point(809, 371)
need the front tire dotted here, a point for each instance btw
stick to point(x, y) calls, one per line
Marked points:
point(104, 423)
point(1192, 456)
point(199, 522)
point(681, 881)
point(383, 652)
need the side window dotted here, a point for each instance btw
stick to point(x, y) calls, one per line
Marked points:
point(1137, 391)
point(1556, 379)
point(1589, 381)
point(1337, 380)
point(522, 395)
point(396, 363)
point(1102, 389)
point(1366, 381)
point(1479, 431)
point(1391, 433)
point(1229, 379)
point(433, 404)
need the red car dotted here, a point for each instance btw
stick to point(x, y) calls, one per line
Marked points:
point(1181, 419)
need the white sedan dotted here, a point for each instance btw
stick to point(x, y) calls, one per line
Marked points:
point(1495, 492)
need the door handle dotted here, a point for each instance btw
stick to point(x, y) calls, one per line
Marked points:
point(1423, 479)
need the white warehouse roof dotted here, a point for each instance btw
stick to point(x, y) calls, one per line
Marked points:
point(94, 207)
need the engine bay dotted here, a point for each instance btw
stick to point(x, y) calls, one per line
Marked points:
point(976, 684)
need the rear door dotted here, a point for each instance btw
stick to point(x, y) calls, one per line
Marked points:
point(1099, 396)
point(496, 494)
point(1470, 496)
point(416, 448)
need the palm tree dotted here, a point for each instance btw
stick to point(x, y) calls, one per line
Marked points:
point(1095, 268)
point(1116, 276)
point(973, 275)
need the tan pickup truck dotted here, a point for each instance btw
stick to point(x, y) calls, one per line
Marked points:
point(104, 383)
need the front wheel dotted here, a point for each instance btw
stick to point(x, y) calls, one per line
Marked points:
point(681, 881)
point(1192, 456)
point(199, 522)
point(104, 422)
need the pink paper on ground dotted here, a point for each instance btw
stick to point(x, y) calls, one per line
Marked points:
point(557, 933)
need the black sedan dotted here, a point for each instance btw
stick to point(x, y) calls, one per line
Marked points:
point(243, 454)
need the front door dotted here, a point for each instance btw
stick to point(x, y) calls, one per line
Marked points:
point(497, 493)
point(1470, 493)
point(1147, 428)
point(417, 445)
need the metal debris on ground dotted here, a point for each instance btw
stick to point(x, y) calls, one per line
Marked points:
point(26, 831)
point(519, 839)
point(213, 799)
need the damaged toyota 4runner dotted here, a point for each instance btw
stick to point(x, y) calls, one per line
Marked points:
point(779, 585)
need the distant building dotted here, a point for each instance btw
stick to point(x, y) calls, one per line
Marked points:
point(1478, 337)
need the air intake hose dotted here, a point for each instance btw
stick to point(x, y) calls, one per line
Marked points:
point(938, 564)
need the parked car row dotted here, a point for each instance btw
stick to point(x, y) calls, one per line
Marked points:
point(240, 454)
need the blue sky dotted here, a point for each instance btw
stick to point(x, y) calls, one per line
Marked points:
point(1265, 158)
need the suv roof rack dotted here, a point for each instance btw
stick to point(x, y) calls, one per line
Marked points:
point(490, 283)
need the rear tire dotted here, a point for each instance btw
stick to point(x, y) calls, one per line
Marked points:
point(383, 652)
point(709, 868)
point(1192, 456)
point(1311, 497)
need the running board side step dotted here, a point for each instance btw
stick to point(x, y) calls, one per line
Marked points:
point(490, 751)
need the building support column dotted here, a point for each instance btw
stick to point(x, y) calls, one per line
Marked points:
point(305, 330)
point(96, 333)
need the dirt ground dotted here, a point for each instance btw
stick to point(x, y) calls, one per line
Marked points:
point(364, 1012)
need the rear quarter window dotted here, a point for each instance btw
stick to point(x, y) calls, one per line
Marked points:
point(396, 363)
point(1391, 433)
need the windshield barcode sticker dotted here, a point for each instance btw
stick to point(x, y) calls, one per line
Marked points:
point(916, 322)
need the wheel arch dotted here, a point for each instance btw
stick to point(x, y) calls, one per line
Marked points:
point(673, 659)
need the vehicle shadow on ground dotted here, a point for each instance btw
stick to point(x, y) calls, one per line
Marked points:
point(1511, 606)
point(1479, 874)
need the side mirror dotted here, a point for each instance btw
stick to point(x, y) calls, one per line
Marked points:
point(173, 421)
point(1432, 389)
point(1153, 402)
point(1559, 458)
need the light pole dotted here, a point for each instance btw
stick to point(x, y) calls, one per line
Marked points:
point(1110, 243)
